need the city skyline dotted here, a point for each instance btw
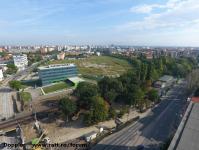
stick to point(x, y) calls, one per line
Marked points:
point(127, 22)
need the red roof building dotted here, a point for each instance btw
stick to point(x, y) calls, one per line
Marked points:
point(195, 99)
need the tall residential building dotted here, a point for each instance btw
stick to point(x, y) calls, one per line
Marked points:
point(61, 56)
point(54, 73)
point(43, 50)
point(20, 61)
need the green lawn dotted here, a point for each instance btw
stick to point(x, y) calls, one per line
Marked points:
point(98, 65)
point(56, 87)
point(25, 96)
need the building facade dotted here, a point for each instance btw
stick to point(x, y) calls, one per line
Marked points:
point(61, 56)
point(1, 75)
point(43, 50)
point(54, 73)
point(20, 61)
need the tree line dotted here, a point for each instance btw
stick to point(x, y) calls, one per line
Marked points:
point(132, 89)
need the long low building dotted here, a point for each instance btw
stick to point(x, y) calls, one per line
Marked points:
point(187, 135)
point(54, 73)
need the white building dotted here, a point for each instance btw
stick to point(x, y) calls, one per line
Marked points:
point(1, 75)
point(98, 54)
point(20, 61)
point(50, 49)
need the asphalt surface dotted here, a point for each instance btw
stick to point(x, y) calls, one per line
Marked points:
point(6, 104)
point(152, 130)
point(19, 75)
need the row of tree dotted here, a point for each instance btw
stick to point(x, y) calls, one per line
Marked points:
point(153, 69)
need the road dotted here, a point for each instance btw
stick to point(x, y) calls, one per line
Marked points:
point(153, 129)
point(19, 74)
point(40, 106)
point(6, 104)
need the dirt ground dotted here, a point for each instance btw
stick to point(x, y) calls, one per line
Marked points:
point(73, 130)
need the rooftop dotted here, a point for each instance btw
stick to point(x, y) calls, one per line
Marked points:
point(166, 78)
point(76, 79)
point(56, 66)
point(189, 139)
point(19, 55)
point(195, 99)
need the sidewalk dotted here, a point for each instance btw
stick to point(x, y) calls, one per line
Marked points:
point(63, 134)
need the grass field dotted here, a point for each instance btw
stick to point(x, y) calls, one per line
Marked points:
point(98, 65)
point(56, 87)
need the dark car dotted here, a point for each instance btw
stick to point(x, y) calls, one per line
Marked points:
point(140, 147)
point(2, 118)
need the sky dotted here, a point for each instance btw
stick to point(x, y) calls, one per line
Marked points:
point(123, 22)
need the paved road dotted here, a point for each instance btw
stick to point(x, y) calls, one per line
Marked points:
point(18, 75)
point(6, 104)
point(152, 130)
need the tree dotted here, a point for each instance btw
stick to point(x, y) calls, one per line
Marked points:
point(68, 107)
point(112, 113)
point(99, 108)
point(88, 118)
point(143, 72)
point(14, 84)
point(138, 97)
point(129, 94)
point(153, 95)
point(103, 85)
point(11, 69)
point(193, 80)
point(85, 91)
point(137, 65)
point(33, 57)
point(160, 65)
point(110, 95)
point(3, 54)
point(149, 72)
point(98, 111)
point(110, 88)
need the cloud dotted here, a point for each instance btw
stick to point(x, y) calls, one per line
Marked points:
point(178, 14)
point(171, 4)
point(145, 9)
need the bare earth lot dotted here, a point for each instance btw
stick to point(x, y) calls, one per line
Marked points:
point(98, 65)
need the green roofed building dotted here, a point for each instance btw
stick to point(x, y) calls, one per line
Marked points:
point(55, 73)
point(76, 80)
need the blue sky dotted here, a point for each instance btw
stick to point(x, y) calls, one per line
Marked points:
point(126, 22)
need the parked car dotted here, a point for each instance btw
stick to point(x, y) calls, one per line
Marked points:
point(2, 132)
point(140, 147)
